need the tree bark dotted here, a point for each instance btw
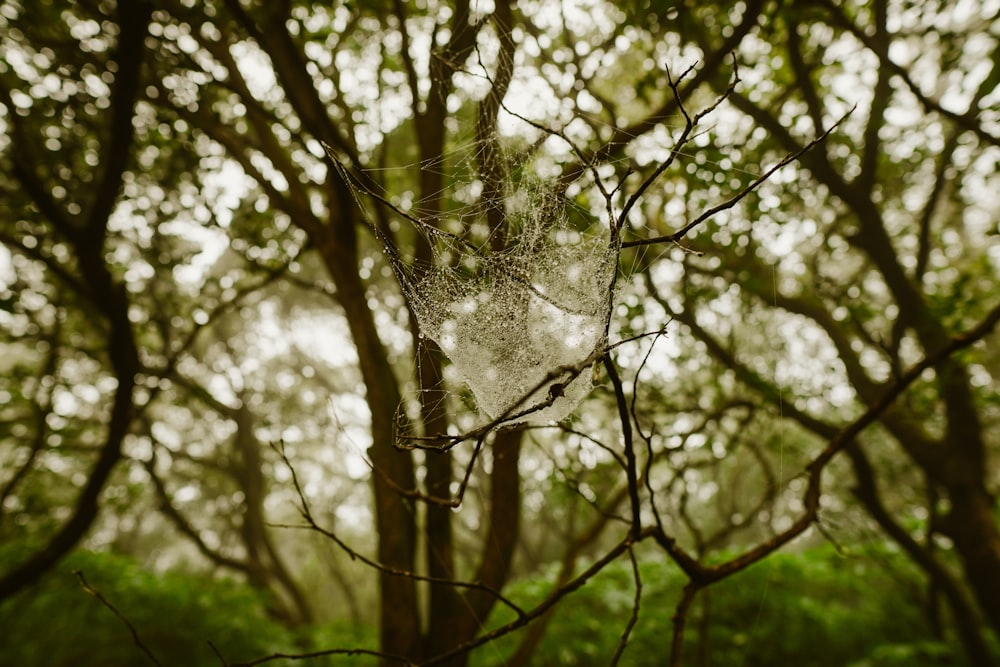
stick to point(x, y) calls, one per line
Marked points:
point(392, 469)
point(337, 242)
point(504, 522)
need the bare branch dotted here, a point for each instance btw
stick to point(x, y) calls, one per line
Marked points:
point(680, 620)
point(626, 422)
point(967, 120)
point(313, 654)
point(735, 199)
point(103, 600)
point(634, 617)
point(312, 524)
point(690, 124)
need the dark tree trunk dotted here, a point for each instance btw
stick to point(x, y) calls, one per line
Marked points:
point(109, 297)
point(393, 469)
point(967, 625)
point(972, 525)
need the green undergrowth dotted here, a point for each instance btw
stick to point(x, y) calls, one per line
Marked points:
point(811, 609)
point(57, 623)
point(816, 608)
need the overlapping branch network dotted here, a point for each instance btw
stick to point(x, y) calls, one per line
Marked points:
point(544, 392)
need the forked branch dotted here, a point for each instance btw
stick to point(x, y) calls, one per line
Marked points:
point(739, 196)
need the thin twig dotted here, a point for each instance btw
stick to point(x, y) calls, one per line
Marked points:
point(358, 185)
point(314, 654)
point(689, 126)
point(739, 196)
point(647, 474)
point(634, 618)
point(103, 600)
point(312, 524)
point(565, 374)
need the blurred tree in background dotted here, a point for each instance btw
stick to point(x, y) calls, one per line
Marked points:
point(204, 340)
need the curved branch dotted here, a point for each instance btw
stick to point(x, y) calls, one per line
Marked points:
point(134, 20)
point(739, 196)
point(845, 437)
point(630, 461)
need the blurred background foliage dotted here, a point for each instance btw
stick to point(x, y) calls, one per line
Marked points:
point(201, 336)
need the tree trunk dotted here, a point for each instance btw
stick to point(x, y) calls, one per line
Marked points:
point(393, 469)
point(265, 565)
point(501, 538)
point(966, 623)
point(972, 525)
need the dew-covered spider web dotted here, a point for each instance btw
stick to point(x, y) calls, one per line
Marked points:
point(520, 324)
point(520, 320)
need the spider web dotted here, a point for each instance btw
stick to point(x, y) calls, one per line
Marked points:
point(520, 318)
point(519, 324)
point(522, 306)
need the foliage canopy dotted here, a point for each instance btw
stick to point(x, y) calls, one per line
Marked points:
point(754, 277)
